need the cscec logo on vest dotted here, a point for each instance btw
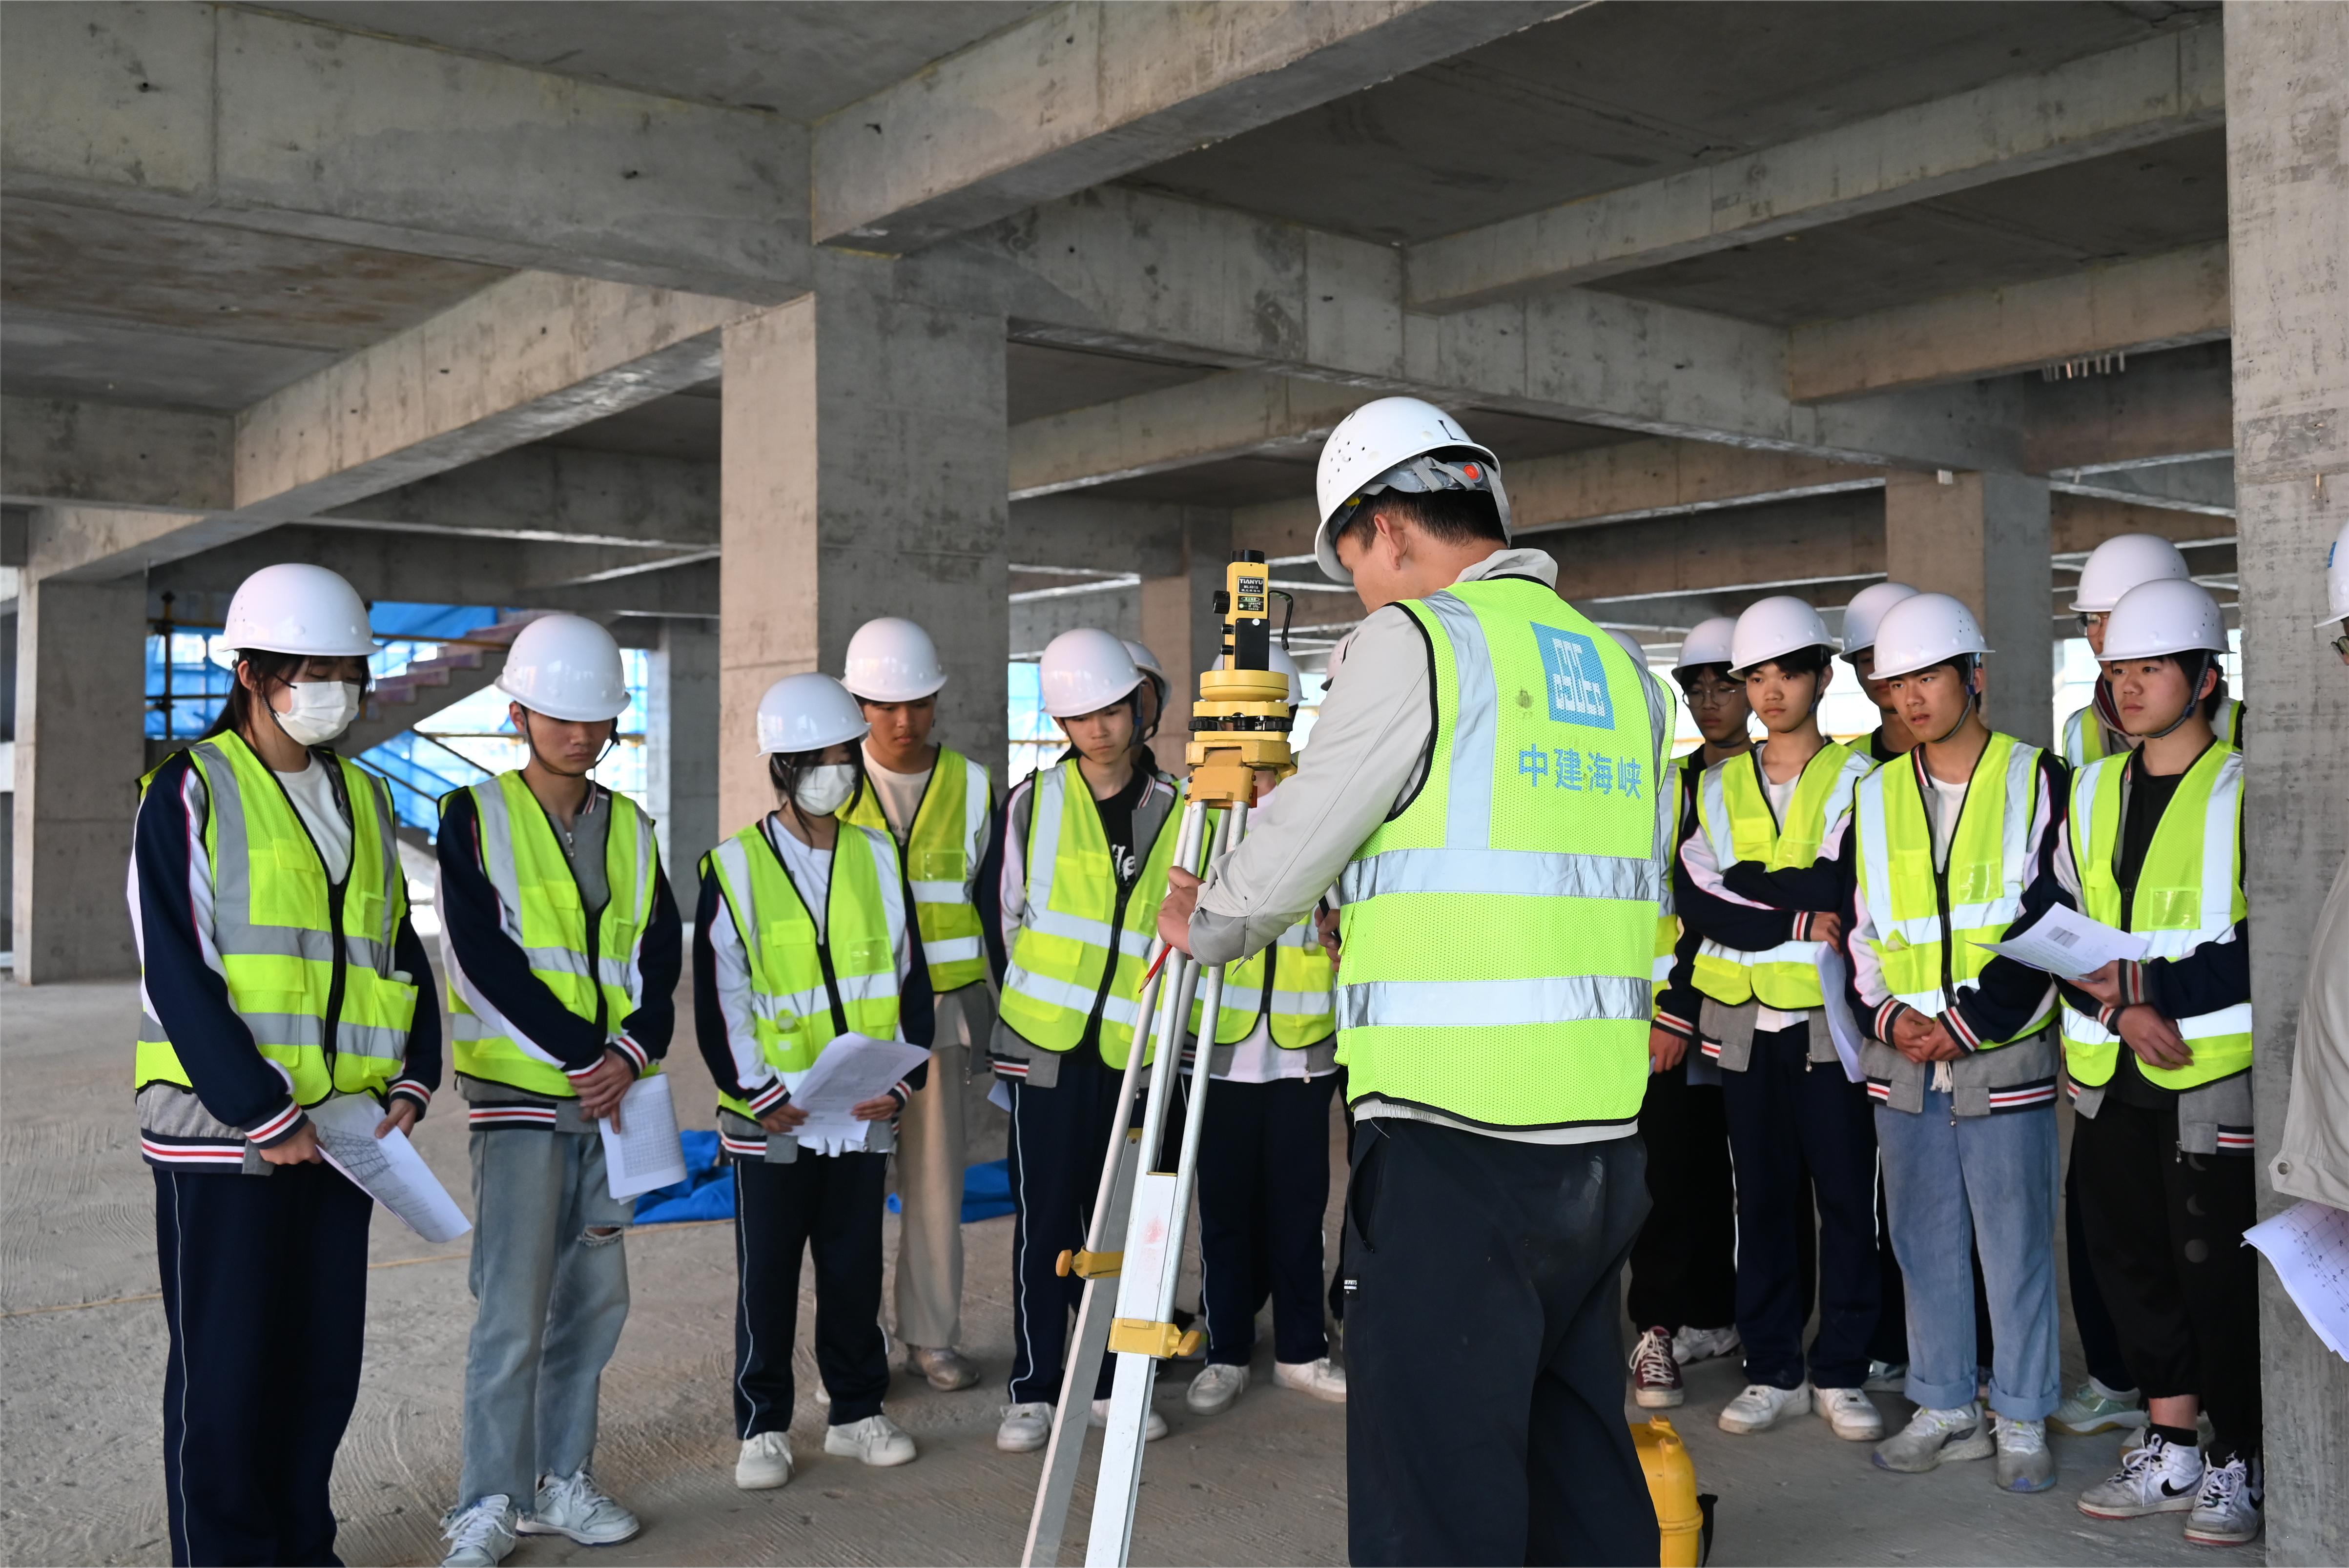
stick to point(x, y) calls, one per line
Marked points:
point(1577, 681)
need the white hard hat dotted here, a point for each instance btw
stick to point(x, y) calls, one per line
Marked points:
point(2336, 580)
point(1706, 643)
point(808, 712)
point(892, 660)
point(297, 608)
point(2120, 563)
point(1864, 616)
point(1281, 661)
point(1630, 644)
point(2165, 616)
point(1922, 631)
point(1084, 671)
point(1145, 662)
point(1778, 625)
point(1364, 454)
point(565, 667)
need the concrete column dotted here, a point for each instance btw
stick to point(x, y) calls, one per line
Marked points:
point(1179, 624)
point(863, 473)
point(681, 743)
point(2287, 195)
point(80, 705)
point(1982, 539)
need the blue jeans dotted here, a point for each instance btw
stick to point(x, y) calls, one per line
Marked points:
point(1990, 1182)
point(552, 1297)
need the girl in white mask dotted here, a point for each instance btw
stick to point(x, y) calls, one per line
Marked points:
point(803, 936)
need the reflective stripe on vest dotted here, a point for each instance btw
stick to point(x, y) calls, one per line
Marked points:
point(1499, 930)
point(948, 834)
point(540, 911)
point(1928, 920)
point(2188, 891)
point(274, 920)
point(1734, 816)
point(808, 988)
point(1297, 992)
point(1076, 917)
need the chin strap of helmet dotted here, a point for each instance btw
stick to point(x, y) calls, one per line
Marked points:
point(2194, 687)
point(1970, 666)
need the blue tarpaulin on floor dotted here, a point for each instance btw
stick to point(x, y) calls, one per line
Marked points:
point(707, 1194)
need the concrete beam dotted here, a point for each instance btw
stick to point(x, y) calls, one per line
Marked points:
point(261, 121)
point(390, 565)
point(2078, 524)
point(2134, 308)
point(1230, 415)
point(523, 358)
point(1076, 95)
point(2165, 87)
point(1775, 548)
point(1605, 484)
point(2203, 485)
point(2166, 409)
point(1126, 270)
point(56, 453)
point(1099, 533)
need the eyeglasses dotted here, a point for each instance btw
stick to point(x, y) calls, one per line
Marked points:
point(2090, 620)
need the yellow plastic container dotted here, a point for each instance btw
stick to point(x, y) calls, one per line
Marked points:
point(1671, 1482)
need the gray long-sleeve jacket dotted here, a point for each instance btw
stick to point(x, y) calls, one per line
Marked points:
point(1370, 745)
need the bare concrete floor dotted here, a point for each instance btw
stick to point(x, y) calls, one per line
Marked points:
point(81, 1358)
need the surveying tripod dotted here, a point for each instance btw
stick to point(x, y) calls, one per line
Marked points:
point(1239, 725)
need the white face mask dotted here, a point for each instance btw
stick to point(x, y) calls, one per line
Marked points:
point(322, 710)
point(823, 790)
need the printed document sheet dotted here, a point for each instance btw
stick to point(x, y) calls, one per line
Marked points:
point(2308, 1243)
point(2067, 943)
point(386, 1168)
point(853, 1068)
point(643, 1151)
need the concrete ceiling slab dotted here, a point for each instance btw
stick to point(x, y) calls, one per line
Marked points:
point(48, 355)
point(1514, 438)
point(2142, 203)
point(204, 280)
point(1617, 95)
point(1234, 482)
point(800, 60)
point(1041, 380)
point(685, 425)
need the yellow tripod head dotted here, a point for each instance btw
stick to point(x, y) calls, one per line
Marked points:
point(1241, 721)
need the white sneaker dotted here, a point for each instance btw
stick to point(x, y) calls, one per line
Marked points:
point(1214, 1389)
point(1026, 1428)
point(1323, 1379)
point(2093, 1409)
point(876, 1440)
point(1152, 1430)
point(765, 1461)
point(1762, 1407)
point(480, 1536)
point(2159, 1478)
point(1690, 1345)
point(2025, 1463)
point(2226, 1510)
point(1932, 1436)
point(576, 1506)
point(1851, 1413)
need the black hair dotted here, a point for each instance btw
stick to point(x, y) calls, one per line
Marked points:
point(1449, 516)
point(1794, 661)
point(1685, 677)
point(270, 670)
point(784, 768)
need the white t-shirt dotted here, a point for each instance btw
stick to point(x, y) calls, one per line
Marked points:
point(811, 868)
point(901, 794)
point(1945, 801)
point(312, 792)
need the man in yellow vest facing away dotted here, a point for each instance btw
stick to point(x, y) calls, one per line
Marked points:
point(938, 805)
point(2160, 1055)
point(563, 946)
point(1483, 787)
point(1953, 845)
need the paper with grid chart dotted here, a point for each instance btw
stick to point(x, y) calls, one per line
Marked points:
point(644, 1152)
point(2308, 1245)
point(386, 1168)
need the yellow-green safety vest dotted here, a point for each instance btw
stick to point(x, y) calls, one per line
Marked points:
point(1734, 816)
point(2188, 891)
point(1083, 939)
point(942, 848)
point(1668, 923)
point(288, 941)
point(2084, 732)
point(1498, 931)
point(595, 971)
point(808, 988)
point(1928, 920)
point(1295, 988)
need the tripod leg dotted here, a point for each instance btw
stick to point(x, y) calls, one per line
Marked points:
point(1064, 1455)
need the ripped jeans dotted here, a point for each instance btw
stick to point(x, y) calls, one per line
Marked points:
point(551, 1276)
